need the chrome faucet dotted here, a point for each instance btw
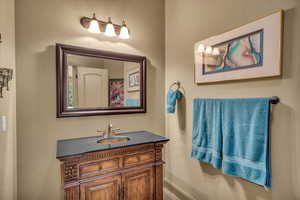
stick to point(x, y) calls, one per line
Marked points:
point(111, 131)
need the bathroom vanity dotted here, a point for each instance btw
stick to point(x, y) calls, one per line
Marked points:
point(124, 167)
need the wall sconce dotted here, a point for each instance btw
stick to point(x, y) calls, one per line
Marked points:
point(5, 76)
point(109, 29)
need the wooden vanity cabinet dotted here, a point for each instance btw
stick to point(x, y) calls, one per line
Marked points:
point(128, 173)
point(138, 184)
point(105, 188)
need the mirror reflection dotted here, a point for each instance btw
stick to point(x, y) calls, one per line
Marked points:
point(96, 82)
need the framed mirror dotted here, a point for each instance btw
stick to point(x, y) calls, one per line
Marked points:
point(95, 82)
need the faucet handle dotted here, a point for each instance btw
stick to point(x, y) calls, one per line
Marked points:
point(115, 130)
point(100, 132)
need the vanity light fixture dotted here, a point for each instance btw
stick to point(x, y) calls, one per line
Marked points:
point(208, 50)
point(124, 33)
point(201, 48)
point(94, 25)
point(109, 29)
point(216, 52)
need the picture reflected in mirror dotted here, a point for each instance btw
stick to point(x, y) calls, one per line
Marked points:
point(100, 83)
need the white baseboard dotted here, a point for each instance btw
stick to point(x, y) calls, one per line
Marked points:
point(169, 195)
point(174, 192)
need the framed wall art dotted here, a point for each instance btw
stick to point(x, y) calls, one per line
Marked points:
point(116, 92)
point(134, 80)
point(250, 51)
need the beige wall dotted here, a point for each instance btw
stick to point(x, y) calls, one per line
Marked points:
point(8, 167)
point(41, 24)
point(190, 21)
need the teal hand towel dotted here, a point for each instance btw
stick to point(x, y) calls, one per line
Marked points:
point(172, 97)
point(233, 134)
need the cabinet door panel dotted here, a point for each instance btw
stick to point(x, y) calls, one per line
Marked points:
point(102, 189)
point(138, 184)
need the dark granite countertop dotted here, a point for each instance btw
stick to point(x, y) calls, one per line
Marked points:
point(77, 146)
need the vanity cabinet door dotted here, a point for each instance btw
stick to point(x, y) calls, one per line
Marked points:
point(102, 189)
point(138, 184)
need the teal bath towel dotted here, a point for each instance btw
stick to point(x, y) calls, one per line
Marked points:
point(233, 134)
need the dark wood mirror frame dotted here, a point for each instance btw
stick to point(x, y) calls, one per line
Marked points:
point(63, 50)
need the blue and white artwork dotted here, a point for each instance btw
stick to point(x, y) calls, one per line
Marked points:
point(251, 51)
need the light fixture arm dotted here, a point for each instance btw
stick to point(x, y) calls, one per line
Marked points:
point(94, 16)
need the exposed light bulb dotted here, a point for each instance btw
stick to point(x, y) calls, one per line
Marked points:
point(201, 48)
point(208, 50)
point(94, 25)
point(216, 52)
point(110, 29)
point(124, 33)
